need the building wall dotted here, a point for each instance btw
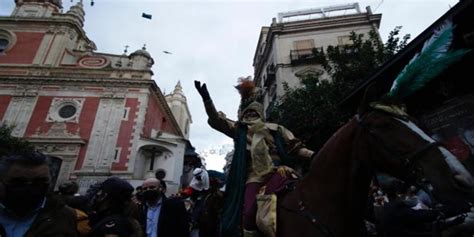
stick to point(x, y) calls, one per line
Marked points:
point(155, 120)
point(278, 40)
point(4, 102)
point(119, 111)
point(170, 160)
point(126, 133)
point(283, 44)
point(26, 47)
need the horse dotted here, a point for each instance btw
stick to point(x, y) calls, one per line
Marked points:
point(331, 199)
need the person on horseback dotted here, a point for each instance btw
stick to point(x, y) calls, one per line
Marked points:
point(261, 151)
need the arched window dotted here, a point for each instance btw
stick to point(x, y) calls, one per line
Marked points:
point(3, 44)
point(7, 40)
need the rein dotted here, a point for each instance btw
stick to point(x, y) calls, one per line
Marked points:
point(311, 216)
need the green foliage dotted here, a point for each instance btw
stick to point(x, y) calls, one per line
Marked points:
point(9, 144)
point(311, 112)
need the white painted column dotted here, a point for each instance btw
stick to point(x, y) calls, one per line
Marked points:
point(138, 124)
point(19, 113)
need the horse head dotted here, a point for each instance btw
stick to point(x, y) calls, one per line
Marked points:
point(401, 149)
point(380, 138)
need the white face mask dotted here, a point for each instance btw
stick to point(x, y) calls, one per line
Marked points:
point(250, 115)
point(252, 120)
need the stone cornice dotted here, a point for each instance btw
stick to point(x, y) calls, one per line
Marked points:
point(162, 141)
point(45, 140)
point(47, 22)
point(99, 81)
point(70, 72)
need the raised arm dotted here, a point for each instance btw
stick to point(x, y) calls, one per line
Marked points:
point(216, 120)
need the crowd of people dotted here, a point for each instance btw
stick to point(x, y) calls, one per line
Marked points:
point(113, 208)
point(397, 209)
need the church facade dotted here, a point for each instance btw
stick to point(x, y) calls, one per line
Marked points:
point(100, 114)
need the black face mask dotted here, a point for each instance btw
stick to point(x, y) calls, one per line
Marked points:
point(98, 201)
point(21, 200)
point(139, 196)
point(151, 195)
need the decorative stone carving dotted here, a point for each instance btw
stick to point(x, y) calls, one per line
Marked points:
point(57, 130)
point(94, 62)
point(65, 110)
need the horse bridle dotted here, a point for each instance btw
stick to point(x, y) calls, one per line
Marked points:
point(409, 160)
point(308, 214)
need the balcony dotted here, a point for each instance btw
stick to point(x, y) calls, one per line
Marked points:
point(306, 56)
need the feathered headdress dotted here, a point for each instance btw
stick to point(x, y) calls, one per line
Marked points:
point(433, 59)
point(249, 93)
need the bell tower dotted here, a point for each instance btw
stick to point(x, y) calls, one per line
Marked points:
point(36, 8)
point(179, 107)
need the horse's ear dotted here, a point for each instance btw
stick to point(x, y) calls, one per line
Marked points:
point(370, 95)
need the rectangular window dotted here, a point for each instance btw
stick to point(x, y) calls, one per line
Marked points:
point(344, 40)
point(117, 155)
point(125, 113)
point(304, 46)
point(152, 163)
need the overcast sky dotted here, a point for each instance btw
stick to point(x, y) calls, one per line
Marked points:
point(214, 41)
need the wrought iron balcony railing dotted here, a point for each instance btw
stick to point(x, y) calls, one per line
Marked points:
point(301, 56)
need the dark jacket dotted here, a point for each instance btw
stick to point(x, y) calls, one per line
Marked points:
point(115, 220)
point(398, 219)
point(54, 220)
point(173, 220)
point(113, 224)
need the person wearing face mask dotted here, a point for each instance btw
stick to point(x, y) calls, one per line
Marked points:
point(200, 181)
point(26, 208)
point(200, 187)
point(262, 153)
point(111, 205)
point(162, 216)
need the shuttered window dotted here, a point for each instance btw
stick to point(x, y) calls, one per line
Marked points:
point(304, 46)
